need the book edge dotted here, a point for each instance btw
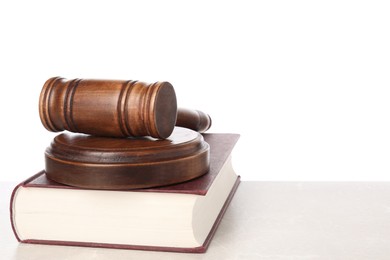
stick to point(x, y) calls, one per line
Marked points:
point(200, 249)
point(12, 198)
point(221, 214)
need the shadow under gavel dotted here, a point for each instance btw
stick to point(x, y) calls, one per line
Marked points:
point(115, 108)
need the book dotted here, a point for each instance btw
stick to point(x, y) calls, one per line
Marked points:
point(178, 218)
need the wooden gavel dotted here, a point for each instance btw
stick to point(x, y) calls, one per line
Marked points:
point(115, 108)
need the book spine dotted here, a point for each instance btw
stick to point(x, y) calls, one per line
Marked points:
point(11, 209)
point(12, 202)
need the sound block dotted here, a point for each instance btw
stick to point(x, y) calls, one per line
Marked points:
point(126, 163)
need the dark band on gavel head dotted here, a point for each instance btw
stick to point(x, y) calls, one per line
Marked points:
point(115, 108)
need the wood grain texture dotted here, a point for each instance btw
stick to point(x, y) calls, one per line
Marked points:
point(108, 107)
point(221, 146)
point(193, 119)
point(115, 108)
point(126, 163)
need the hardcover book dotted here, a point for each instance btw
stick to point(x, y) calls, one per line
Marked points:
point(179, 218)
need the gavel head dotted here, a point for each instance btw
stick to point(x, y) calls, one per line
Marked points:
point(108, 107)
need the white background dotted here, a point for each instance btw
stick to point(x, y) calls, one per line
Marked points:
point(305, 83)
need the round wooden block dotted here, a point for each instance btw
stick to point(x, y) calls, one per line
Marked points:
point(126, 163)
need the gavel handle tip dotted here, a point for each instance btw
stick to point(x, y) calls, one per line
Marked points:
point(204, 122)
point(193, 119)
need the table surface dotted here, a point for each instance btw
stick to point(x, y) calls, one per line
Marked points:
point(266, 220)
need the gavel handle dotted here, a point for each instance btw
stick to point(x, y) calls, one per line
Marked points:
point(193, 119)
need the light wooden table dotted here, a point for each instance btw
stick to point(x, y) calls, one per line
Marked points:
point(266, 220)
